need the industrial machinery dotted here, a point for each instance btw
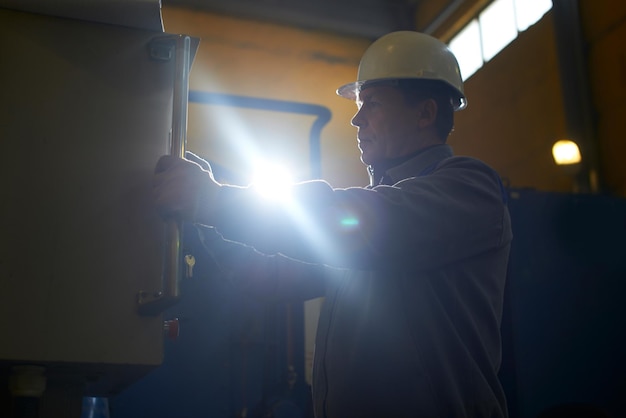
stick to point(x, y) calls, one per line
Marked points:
point(86, 265)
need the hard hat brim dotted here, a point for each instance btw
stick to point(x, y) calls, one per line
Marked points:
point(350, 91)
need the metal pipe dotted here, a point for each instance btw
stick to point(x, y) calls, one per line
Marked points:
point(447, 11)
point(323, 116)
point(574, 76)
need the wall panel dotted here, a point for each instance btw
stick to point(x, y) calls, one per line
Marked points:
point(261, 60)
point(514, 112)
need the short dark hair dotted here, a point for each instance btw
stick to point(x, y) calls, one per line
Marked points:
point(416, 90)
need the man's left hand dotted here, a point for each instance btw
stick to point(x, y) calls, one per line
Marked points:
point(179, 186)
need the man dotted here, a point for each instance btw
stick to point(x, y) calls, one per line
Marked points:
point(413, 266)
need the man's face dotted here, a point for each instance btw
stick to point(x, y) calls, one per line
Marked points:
point(386, 124)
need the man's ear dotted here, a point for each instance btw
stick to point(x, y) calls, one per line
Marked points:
point(427, 113)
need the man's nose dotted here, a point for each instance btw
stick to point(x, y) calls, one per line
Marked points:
point(357, 119)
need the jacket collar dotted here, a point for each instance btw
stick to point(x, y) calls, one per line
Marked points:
point(417, 165)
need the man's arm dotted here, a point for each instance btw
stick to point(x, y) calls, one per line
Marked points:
point(421, 222)
point(274, 277)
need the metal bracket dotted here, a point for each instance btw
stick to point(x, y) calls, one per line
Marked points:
point(163, 48)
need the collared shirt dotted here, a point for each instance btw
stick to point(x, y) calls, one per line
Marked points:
point(400, 168)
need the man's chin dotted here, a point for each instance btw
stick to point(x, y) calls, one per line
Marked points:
point(369, 161)
point(367, 158)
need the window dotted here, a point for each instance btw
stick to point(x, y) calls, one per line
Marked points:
point(497, 26)
point(467, 48)
point(528, 12)
point(493, 29)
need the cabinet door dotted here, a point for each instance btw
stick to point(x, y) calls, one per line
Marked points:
point(86, 112)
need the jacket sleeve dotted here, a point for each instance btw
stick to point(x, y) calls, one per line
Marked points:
point(420, 222)
point(273, 277)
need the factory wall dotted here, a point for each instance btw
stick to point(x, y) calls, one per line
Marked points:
point(260, 60)
point(515, 111)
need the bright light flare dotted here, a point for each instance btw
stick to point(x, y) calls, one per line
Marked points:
point(272, 181)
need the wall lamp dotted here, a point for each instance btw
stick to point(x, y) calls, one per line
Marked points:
point(567, 156)
point(566, 152)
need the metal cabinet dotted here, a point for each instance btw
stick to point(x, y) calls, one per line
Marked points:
point(87, 109)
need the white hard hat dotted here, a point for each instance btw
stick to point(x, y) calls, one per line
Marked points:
point(408, 55)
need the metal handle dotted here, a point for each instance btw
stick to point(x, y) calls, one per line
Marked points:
point(155, 303)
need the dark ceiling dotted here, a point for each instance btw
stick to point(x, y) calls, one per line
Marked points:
point(367, 18)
